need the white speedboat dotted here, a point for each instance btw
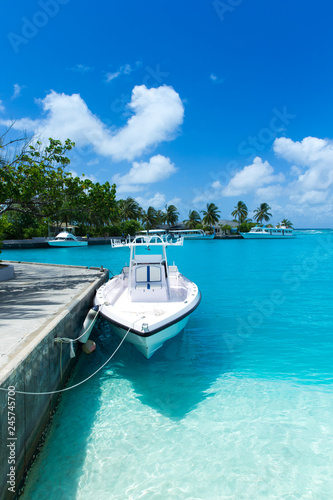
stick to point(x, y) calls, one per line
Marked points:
point(192, 234)
point(263, 233)
point(150, 301)
point(65, 239)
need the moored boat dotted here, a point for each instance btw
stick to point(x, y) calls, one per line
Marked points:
point(150, 301)
point(263, 232)
point(65, 239)
point(191, 234)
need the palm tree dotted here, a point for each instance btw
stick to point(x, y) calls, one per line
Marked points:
point(211, 215)
point(129, 209)
point(240, 212)
point(160, 217)
point(261, 213)
point(171, 215)
point(287, 223)
point(149, 218)
point(193, 219)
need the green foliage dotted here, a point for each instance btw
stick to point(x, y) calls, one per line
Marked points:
point(240, 212)
point(34, 185)
point(261, 213)
point(150, 219)
point(245, 227)
point(15, 226)
point(171, 215)
point(193, 221)
point(226, 228)
point(6, 228)
point(211, 215)
point(131, 227)
point(32, 182)
point(37, 231)
point(287, 223)
point(99, 204)
point(129, 209)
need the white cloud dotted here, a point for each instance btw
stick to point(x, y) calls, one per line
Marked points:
point(215, 79)
point(309, 150)
point(129, 188)
point(81, 68)
point(156, 169)
point(251, 178)
point(216, 185)
point(312, 197)
point(269, 193)
point(17, 90)
point(295, 171)
point(93, 162)
point(2, 107)
point(174, 201)
point(112, 76)
point(315, 177)
point(157, 201)
point(126, 69)
point(199, 199)
point(157, 114)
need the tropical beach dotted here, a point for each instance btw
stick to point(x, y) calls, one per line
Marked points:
point(166, 244)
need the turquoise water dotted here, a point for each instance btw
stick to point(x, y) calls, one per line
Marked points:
point(239, 406)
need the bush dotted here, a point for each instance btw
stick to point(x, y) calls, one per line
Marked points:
point(7, 230)
point(226, 228)
point(131, 227)
point(245, 227)
point(15, 226)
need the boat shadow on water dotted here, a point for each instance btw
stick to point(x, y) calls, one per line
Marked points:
point(173, 382)
point(178, 377)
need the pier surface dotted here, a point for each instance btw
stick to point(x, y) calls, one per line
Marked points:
point(35, 297)
point(42, 302)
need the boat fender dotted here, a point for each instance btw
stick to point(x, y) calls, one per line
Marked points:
point(88, 324)
point(89, 347)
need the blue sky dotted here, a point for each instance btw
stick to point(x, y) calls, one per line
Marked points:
point(183, 102)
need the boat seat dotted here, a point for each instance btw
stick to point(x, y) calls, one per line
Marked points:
point(149, 277)
point(148, 284)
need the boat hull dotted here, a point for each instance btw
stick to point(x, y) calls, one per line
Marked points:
point(151, 335)
point(65, 244)
point(149, 345)
point(259, 236)
point(207, 237)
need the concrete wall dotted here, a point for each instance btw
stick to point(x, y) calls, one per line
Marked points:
point(14, 244)
point(42, 243)
point(37, 369)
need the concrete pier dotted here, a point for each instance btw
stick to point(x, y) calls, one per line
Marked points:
point(42, 302)
point(42, 242)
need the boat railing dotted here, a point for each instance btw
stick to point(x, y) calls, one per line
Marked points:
point(144, 241)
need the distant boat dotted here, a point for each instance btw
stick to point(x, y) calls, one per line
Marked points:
point(159, 232)
point(150, 301)
point(263, 233)
point(65, 239)
point(192, 234)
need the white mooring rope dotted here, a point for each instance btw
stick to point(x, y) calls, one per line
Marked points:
point(65, 340)
point(79, 383)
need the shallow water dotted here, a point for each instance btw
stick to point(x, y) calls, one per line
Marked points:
point(239, 406)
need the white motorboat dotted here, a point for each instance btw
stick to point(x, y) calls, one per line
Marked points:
point(192, 234)
point(65, 239)
point(263, 232)
point(150, 301)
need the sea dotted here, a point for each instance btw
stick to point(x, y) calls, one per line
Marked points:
point(237, 406)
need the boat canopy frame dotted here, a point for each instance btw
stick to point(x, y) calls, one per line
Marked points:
point(147, 241)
